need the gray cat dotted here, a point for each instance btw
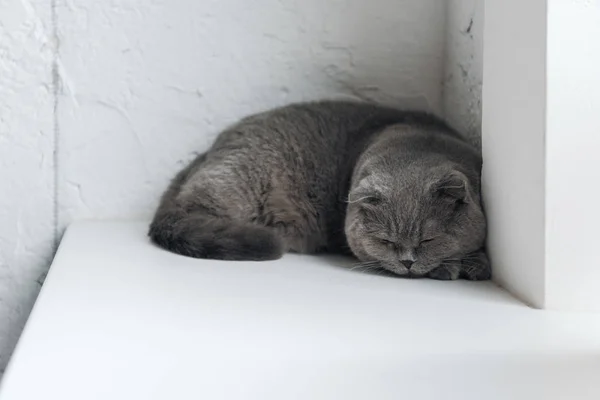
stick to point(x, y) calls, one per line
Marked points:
point(397, 189)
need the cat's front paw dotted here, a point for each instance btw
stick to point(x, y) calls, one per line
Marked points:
point(445, 273)
point(476, 266)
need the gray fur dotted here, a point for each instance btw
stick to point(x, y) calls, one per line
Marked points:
point(332, 177)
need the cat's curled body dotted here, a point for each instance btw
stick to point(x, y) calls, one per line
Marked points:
point(395, 188)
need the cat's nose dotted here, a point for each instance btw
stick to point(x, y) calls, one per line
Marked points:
point(407, 263)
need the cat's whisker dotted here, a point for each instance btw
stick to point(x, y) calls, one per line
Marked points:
point(382, 271)
point(450, 263)
point(368, 270)
point(470, 269)
point(471, 263)
point(369, 267)
point(359, 199)
point(472, 258)
point(365, 265)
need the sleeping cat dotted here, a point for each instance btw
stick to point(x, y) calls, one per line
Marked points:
point(397, 189)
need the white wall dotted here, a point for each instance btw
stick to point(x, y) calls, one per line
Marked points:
point(540, 147)
point(150, 84)
point(463, 71)
point(514, 118)
point(144, 85)
point(572, 149)
point(26, 160)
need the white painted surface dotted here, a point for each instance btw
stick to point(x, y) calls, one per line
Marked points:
point(120, 319)
point(151, 83)
point(540, 143)
point(572, 146)
point(514, 127)
point(463, 66)
point(26, 162)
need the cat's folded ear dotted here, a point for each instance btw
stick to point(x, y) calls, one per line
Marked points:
point(368, 192)
point(452, 186)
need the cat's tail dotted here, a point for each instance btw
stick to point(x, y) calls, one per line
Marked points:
point(200, 235)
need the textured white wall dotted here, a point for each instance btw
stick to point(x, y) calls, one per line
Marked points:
point(143, 85)
point(26, 161)
point(148, 84)
point(464, 66)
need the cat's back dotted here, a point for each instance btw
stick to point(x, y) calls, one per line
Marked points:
point(312, 144)
point(318, 125)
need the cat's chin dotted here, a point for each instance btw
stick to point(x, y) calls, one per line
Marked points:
point(406, 275)
point(410, 275)
point(413, 273)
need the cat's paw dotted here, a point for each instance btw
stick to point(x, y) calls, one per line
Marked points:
point(445, 273)
point(476, 266)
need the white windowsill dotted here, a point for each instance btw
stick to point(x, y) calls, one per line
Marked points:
point(120, 319)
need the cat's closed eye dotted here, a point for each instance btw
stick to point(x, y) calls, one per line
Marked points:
point(371, 201)
point(387, 242)
point(428, 240)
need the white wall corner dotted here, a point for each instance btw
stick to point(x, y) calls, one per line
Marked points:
point(541, 134)
point(463, 58)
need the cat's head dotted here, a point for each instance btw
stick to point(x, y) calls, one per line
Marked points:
point(414, 222)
